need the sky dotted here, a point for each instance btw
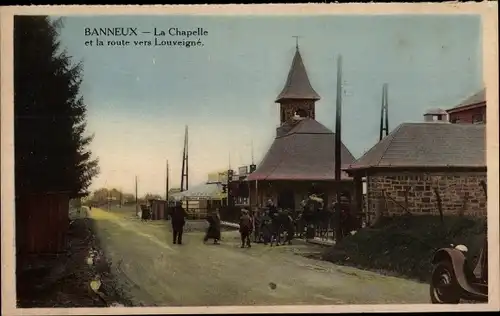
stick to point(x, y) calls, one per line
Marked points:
point(139, 99)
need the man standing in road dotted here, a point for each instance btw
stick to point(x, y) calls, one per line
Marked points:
point(246, 225)
point(178, 222)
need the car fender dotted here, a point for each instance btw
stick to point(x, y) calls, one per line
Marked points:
point(457, 259)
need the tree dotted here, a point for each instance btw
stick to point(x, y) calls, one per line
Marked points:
point(151, 196)
point(51, 145)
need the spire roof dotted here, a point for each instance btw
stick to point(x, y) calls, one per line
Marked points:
point(297, 85)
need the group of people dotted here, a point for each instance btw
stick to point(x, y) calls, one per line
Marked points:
point(245, 228)
point(272, 225)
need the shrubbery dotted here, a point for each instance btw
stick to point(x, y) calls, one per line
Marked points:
point(404, 245)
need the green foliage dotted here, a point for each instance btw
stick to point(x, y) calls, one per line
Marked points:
point(404, 245)
point(51, 144)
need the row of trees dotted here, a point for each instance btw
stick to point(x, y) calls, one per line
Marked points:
point(103, 195)
point(51, 144)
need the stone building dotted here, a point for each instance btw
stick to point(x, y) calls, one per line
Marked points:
point(402, 170)
point(301, 159)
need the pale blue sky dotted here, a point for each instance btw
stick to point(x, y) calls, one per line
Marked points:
point(140, 98)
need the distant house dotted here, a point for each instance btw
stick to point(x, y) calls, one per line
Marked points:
point(472, 110)
point(402, 170)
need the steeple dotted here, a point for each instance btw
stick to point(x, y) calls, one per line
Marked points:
point(298, 96)
point(297, 86)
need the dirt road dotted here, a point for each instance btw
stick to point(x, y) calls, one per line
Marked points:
point(157, 273)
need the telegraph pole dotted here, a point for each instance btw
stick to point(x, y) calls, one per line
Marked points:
point(338, 122)
point(187, 159)
point(136, 198)
point(384, 113)
point(251, 148)
point(166, 184)
point(338, 142)
point(184, 174)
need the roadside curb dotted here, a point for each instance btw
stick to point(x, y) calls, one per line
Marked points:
point(316, 241)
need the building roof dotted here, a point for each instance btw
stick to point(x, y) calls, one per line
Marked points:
point(428, 145)
point(297, 85)
point(306, 152)
point(436, 112)
point(201, 191)
point(479, 98)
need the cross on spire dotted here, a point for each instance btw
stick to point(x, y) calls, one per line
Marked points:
point(296, 41)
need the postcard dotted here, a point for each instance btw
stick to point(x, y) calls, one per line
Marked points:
point(249, 158)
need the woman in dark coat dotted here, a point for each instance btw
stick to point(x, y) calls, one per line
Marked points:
point(213, 231)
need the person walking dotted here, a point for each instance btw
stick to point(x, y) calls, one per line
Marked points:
point(214, 227)
point(178, 222)
point(246, 225)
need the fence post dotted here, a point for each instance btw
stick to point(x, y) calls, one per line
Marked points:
point(407, 189)
point(464, 204)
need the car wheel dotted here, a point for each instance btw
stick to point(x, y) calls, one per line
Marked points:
point(444, 288)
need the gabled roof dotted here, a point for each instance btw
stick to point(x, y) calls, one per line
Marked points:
point(307, 153)
point(479, 98)
point(297, 85)
point(428, 145)
point(436, 112)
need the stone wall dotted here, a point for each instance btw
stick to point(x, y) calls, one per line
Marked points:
point(460, 193)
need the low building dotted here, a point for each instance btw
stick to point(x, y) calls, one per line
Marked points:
point(403, 169)
point(471, 110)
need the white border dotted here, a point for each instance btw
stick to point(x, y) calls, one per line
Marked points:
point(488, 11)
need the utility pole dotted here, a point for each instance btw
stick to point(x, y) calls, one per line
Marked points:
point(187, 159)
point(251, 150)
point(136, 198)
point(338, 140)
point(384, 112)
point(167, 184)
point(185, 170)
point(338, 122)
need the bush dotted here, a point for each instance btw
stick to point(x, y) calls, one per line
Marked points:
point(404, 245)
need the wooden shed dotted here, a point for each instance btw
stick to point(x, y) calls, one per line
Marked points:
point(42, 222)
point(158, 209)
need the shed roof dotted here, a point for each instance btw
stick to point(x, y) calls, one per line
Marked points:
point(306, 152)
point(201, 191)
point(477, 98)
point(428, 145)
point(297, 85)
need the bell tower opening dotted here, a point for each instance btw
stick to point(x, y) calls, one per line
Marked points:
point(301, 113)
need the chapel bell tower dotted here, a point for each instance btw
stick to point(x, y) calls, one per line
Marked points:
point(298, 97)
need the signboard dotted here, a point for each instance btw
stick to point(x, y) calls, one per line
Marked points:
point(243, 171)
point(213, 177)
